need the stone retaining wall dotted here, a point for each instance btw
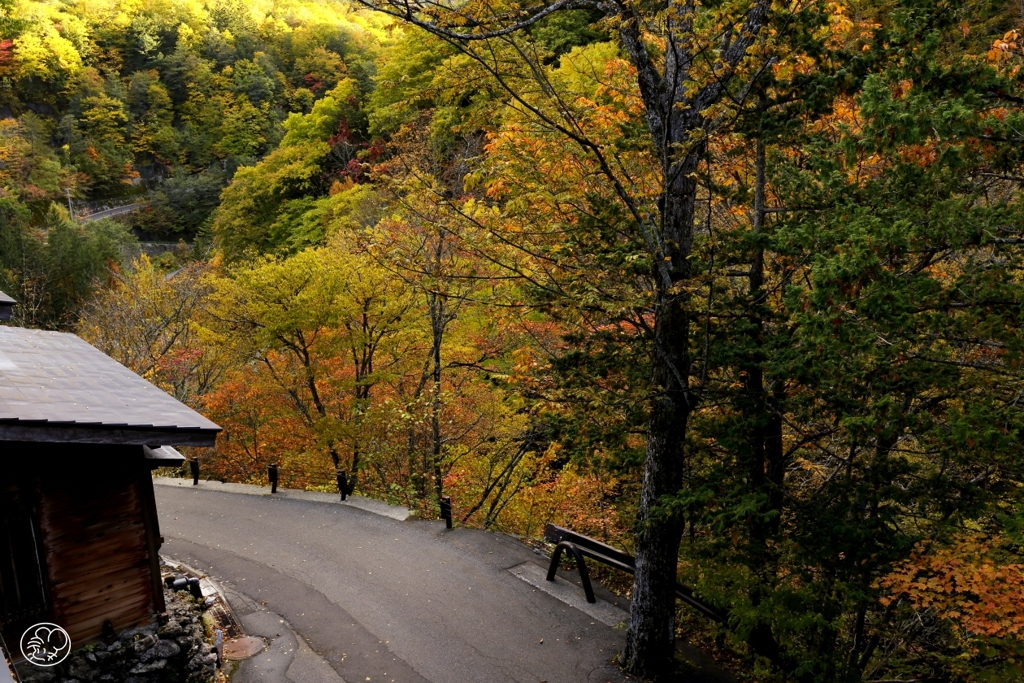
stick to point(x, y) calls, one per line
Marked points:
point(176, 652)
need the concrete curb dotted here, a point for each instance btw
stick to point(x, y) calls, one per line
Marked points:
point(571, 594)
point(376, 507)
point(300, 662)
point(217, 606)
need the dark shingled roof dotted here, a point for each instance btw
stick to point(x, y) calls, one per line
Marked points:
point(55, 387)
point(6, 305)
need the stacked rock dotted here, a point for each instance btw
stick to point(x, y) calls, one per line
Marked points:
point(175, 652)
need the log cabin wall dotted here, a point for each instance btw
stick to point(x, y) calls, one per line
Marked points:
point(98, 537)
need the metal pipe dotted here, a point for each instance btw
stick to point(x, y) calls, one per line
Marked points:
point(218, 646)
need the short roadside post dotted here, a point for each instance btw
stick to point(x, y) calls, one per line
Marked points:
point(218, 646)
point(193, 465)
point(343, 484)
point(446, 510)
point(272, 475)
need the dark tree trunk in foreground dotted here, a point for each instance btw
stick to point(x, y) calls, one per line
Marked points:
point(677, 102)
point(678, 126)
point(650, 641)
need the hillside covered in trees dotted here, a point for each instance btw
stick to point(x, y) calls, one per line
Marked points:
point(735, 285)
point(102, 101)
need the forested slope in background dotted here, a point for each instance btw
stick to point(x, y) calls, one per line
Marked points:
point(100, 101)
point(736, 286)
point(96, 94)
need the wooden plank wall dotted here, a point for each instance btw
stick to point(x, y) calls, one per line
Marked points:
point(23, 594)
point(95, 535)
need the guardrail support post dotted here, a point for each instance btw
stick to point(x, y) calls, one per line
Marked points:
point(578, 556)
point(193, 465)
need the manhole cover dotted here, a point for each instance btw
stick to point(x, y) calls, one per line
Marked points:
point(241, 648)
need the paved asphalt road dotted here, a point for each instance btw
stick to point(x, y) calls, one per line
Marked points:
point(384, 600)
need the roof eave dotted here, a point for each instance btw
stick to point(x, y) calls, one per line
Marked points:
point(6, 306)
point(49, 432)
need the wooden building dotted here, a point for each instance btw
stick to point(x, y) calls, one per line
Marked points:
point(79, 437)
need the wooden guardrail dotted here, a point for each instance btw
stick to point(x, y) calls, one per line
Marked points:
point(581, 546)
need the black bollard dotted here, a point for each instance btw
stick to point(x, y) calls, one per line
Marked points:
point(193, 465)
point(272, 474)
point(343, 484)
point(446, 510)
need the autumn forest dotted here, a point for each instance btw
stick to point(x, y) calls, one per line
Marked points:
point(735, 285)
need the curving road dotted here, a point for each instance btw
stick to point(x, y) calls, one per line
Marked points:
point(110, 213)
point(385, 600)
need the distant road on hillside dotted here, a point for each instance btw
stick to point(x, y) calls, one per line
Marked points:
point(109, 213)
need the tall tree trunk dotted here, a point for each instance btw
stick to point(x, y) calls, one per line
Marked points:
point(675, 115)
point(650, 640)
point(772, 454)
point(362, 401)
point(675, 106)
point(438, 322)
point(765, 457)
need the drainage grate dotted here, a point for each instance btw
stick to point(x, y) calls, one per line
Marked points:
point(222, 618)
